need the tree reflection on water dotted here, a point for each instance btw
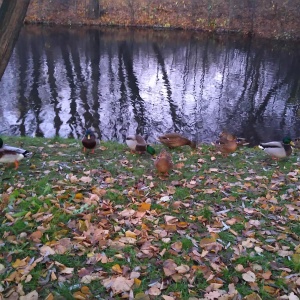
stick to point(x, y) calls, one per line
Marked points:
point(60, 81)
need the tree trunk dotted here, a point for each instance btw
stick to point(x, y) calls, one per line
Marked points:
point(93, 9)
point(12, 14)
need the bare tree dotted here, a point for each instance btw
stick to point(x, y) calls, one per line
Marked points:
point(93, 9)
point(12, 14)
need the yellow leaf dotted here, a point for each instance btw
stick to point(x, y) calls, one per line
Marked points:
point(296, 258)
point(78, 196)
point(19, 263)
point(85, 290)
point(53, 276)
point(269, 289)
point(182, 224)
point(82, 225)
point(137, 282)
point(141, 296)
point(144, 206)
point(116, 268)
point(9, 217)
point(79, 295)
point(130, 234)
point(207, 241)
point(49, 297)
point(170, 227)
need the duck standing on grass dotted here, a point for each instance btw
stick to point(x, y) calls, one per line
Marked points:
point(278, 149)
point(89, 141)
point(174, 139)
point(163, 162)
point(226, 144)
point(9, 154)
point(136, 143)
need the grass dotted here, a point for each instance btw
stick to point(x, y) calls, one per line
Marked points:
point(73, 221)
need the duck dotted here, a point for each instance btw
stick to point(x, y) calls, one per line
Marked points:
point(226, 147)
point(136, 143)
point(277, 149)
point(9, 154)
point(297, 143)
point(226, 136)
point(174, 139)
point(163, 162)
point(89, 141)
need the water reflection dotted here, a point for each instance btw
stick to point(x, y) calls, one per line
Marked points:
point(60, 81)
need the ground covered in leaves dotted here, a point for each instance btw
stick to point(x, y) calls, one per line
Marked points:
point(106, 226)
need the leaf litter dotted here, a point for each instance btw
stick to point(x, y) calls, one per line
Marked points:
point(94, 226)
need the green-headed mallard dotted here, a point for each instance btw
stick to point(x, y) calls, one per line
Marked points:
point(163, 162)
point(174, 139)
point(89, 140)
point(9, 154)
point(137, 143)
point(278, 149)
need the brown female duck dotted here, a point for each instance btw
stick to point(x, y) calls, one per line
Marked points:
point(174, 139)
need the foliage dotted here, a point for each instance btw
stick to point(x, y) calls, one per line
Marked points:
point(90, 226)
point(277, 19)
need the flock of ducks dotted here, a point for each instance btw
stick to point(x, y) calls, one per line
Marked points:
point(226, 144)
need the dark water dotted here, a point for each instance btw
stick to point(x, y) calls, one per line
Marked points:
point(119, 81)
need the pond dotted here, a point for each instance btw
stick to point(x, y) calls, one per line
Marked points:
point(120, 81)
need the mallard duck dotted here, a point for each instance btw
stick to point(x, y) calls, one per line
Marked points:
point(228, 137)
point(278, 149)
point(9, 154)
point(163, 162)
point(89, 141)
point(174, 139)
point(226, 147)
point(137, 143)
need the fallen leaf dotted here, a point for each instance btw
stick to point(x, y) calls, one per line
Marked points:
point(249, 276)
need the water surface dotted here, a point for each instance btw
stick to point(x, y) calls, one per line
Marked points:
point(61, 80)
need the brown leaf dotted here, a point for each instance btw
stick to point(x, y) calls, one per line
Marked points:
point(182, 269)
point(36, 236)
point(154, 291)
point(177, 246)
point(31, 296)
point(271, 290)
point(252, 296)
point(169, 267)
point(267, 274)
point(118, 284)
point(86, 179)
point(249, 276)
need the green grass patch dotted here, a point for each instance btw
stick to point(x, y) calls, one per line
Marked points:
point(88, 219)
